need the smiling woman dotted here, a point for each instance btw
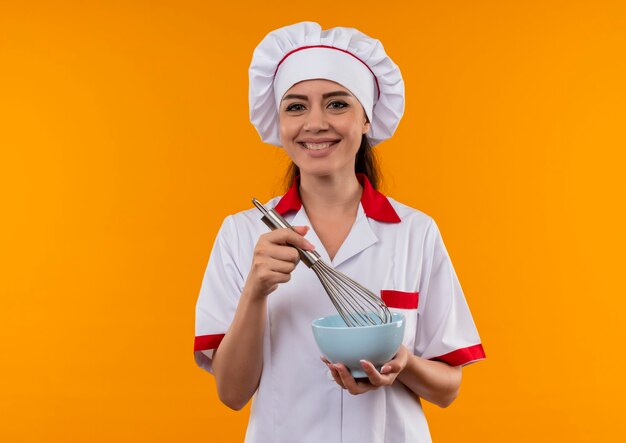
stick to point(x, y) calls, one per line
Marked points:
point(327, 97)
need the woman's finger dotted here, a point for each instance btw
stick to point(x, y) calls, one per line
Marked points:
point(283, 267)
point(397, 363)
point(288, 236)
point(333, 372)
point(390, 368)
point(282, 252)
point(302, 230)
point(352, 386)
point(373, 375)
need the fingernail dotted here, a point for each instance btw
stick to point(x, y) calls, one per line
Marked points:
point(310, 245)
point(385, 369)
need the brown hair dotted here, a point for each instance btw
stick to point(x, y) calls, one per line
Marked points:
point(366, 162)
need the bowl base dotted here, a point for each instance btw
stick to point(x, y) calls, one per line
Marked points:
point(360, 373)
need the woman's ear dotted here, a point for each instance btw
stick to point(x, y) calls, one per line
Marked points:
point(366, 127)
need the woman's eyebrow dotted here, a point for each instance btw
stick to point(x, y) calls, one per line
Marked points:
point(337, 94)
point(324, 96)
point(295, 96)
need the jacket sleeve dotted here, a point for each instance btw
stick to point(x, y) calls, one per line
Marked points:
point(221, 287)
point(445, 329)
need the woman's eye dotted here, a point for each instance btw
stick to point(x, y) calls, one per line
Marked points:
point(294, 107)
point(337, 105)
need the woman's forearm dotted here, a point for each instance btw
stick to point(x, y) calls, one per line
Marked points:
point(434, 381)
point(238, 362)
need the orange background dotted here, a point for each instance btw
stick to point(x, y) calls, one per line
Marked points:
point(125, 141)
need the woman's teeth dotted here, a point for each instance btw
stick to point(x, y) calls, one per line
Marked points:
point(317, 146)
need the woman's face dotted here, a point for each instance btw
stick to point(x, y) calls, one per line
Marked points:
point(321, 126)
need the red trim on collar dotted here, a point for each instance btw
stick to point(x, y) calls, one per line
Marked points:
point(375, 204)
point(291, 200)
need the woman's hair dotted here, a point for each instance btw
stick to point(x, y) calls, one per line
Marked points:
point(366, 163)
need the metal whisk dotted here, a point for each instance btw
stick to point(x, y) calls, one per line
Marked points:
point(357, 305)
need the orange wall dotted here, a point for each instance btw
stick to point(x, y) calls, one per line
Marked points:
point(125, 140)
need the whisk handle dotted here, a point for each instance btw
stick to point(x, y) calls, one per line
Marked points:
point(274, 220)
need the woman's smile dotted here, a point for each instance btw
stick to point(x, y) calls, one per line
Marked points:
point(318, 148)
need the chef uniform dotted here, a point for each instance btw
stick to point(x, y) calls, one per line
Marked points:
point(392, 249)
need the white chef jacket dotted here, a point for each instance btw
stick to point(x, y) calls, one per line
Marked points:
point(392, 249)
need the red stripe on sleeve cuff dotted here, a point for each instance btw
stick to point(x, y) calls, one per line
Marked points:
point(399, 299)
point(463, 356)
point(206, 342)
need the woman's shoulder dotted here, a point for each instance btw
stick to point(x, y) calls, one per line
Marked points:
point(410, 214)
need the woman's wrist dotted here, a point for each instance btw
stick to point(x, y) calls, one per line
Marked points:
point(252, 297)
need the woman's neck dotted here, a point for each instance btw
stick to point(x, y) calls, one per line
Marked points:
point(330, 194)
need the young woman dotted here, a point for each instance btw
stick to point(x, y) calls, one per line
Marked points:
point(326, 97)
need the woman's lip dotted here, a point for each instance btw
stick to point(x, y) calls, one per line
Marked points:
point(319, 153)
point(330, 144)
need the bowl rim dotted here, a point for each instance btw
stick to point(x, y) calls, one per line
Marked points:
point(401, 319)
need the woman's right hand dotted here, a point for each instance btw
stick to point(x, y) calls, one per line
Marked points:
point(275, 258)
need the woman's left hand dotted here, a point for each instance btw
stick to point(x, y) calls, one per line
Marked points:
point(375, 379)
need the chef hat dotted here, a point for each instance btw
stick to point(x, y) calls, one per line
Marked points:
point(304, 51)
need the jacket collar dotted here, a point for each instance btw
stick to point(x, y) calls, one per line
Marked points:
point(375, 204)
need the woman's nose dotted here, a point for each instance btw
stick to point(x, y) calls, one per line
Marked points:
point(315, 121)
